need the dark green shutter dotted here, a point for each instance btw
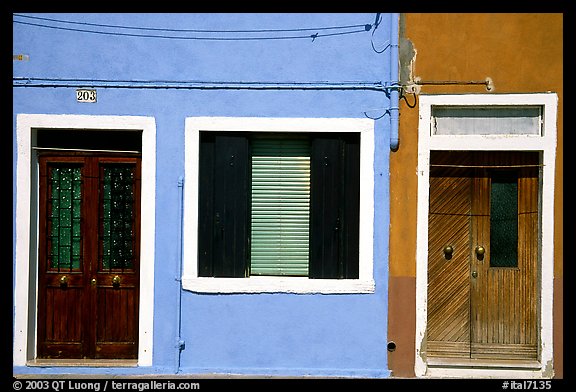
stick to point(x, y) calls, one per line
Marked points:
point(224, 192)
point(334, 206)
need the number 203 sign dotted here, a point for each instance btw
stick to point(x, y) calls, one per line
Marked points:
point(84, 95)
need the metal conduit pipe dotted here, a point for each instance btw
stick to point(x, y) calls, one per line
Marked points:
point(196, 85)
point(395, 84)
point(179, 343)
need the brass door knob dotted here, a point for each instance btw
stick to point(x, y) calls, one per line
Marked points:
point(448, 250)
point(116, 281)
point(480, 250)
point(63, 281)
point(474, 274)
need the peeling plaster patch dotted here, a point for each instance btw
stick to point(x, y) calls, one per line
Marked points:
point(548, 370)
point(407, 58)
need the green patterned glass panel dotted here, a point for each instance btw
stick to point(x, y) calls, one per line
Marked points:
point(117, 218)
point(504, 220)
point(65, 202)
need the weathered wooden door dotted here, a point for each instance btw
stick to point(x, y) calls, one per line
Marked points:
point(88, 255)
point(483, 255)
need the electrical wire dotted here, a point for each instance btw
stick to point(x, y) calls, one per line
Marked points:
point(411, 106)
point(386, 111)
point(376, 24)
point(313, 36)
point(364, 28)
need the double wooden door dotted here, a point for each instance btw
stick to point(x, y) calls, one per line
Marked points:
point(483, 255)
point(89, 234)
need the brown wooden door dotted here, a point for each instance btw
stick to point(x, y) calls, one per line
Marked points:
point(482, 293)
point(88, 256)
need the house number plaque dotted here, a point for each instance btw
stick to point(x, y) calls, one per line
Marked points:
point(84, 95)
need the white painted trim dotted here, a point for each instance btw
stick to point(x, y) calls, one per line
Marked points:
point(268, 284)
point(546, 144)
point(24, 337)
point(496, 373)
point(261, 284)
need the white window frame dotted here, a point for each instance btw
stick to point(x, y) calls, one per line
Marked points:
point(25, 287)
point(545, 144)
point(272, 284)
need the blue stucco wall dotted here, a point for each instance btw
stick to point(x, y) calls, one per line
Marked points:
point(274, 334)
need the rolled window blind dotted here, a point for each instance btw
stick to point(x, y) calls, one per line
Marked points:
point(280, 207)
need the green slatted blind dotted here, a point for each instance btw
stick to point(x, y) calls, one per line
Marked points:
point(280, 205)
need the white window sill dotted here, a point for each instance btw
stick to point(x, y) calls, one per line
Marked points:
point(273, 284)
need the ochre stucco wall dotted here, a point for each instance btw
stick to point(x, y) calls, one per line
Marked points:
point(521, 53)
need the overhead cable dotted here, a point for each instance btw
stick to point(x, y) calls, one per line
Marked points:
point(329, 31)
point(365, 26)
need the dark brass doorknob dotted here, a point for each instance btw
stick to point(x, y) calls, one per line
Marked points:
point(474, 274)
point(64, 281)
point(116, 281)
point(448, 250)
point(480, 250)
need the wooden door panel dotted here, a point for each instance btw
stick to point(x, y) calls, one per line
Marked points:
point(62, 324)
point(448, 332)
point(503, 351)
point(116, 299)
point(479, 307)
point(61, 277)
point(116, 330)
point(528, 250)
point(448, 294)
point(503, 302)
point(64, 314)
point(83, 246)
point(482, 297)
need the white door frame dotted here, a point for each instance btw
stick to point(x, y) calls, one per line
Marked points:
point(26, 224)
point(545, 144)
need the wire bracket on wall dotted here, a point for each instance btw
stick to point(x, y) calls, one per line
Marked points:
point(414, 87)
point(387, 88)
